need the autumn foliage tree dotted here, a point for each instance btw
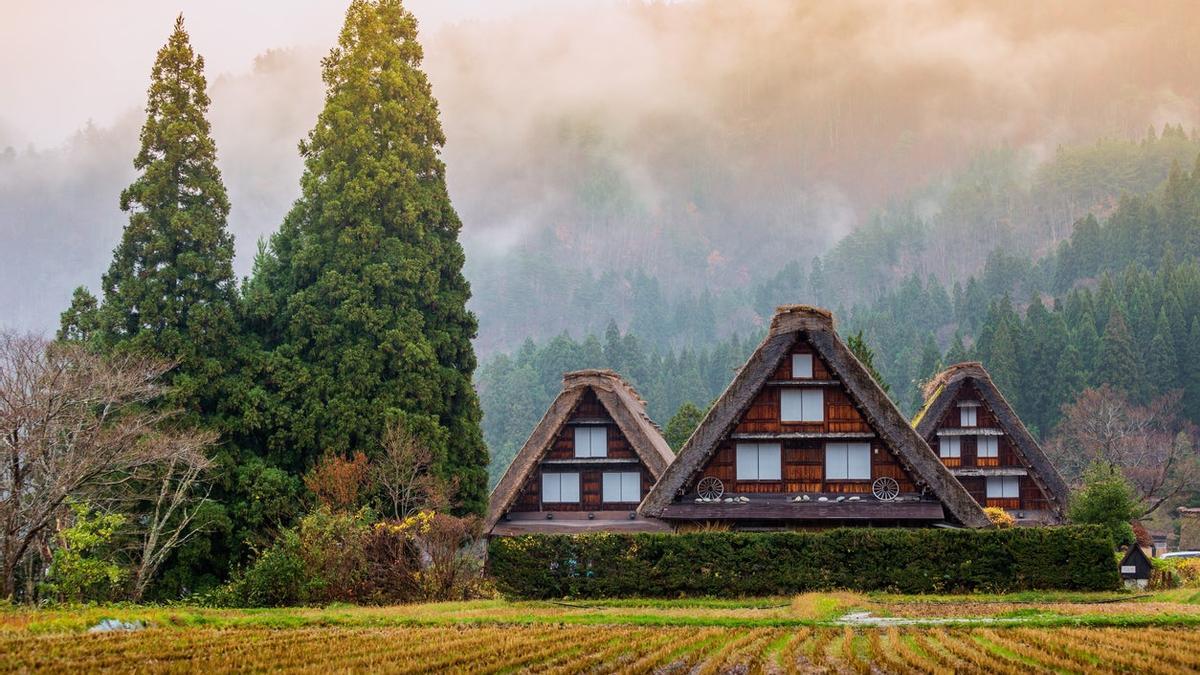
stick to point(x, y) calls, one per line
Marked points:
point(1150, 445)
point(337, 482)
point(405, 479)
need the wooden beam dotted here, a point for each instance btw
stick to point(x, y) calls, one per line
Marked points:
point(807, 511)
point(798, 435)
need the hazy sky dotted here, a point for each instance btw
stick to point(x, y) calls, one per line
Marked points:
point(63, 62)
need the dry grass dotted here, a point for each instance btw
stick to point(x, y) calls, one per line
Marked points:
point(564, 649)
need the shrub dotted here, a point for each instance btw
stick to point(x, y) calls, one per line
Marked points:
point(1107, 499)
point(783, 563)
point(1175, 573)
point(999, 517)
point(275, 579)
point(1189, 572)
point(344, 557)
point(82, 568)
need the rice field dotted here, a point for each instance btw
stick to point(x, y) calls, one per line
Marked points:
point(611, 649)
point(808, 633)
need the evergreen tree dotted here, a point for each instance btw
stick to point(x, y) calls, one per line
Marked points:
point(1002, 363)
point(78, 323)
point(931, 363)
point(1069, 379)
point(957, 352)
point(682, 424)
point(1116, 363)
point(1087, 341)
point(361, 301)
point(170, 289)
point(1162, 365)
point(1043, 348)
point(863, 352)
point(1191, 375)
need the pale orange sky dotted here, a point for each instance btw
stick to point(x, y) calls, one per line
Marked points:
point(63, 62)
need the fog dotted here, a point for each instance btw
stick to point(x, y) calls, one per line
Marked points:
point(707, 142)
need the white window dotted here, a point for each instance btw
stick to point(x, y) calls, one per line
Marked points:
point(966, 415)
point(1003, 487)
point(623, 487)
point(950, 447)
point(987, 446)
point(848, 461)
point(802, 405)
point(802, 365)
point(591, 441)
point(560, 488)
point(759, 461)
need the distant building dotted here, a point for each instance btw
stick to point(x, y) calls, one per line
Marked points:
point(1136, 567)
point(979, 437)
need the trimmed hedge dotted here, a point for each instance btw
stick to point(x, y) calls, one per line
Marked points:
point(736, 564)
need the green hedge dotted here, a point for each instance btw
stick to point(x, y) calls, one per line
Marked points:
point(736, 564)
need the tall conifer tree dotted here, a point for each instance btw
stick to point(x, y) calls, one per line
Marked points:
point(361, 299)
point(1162, 364)
point(1116, 363)
point(170, 289)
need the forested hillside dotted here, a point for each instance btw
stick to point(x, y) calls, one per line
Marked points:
point(1116, 301)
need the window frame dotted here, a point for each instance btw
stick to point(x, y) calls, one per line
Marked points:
point(1003, 482)
point(970, 412)
point(805, 394)
point(947, 441)
point(809, 367)
point(621, 477)
point(993, 442)
point(845, 448)
point(590, 432)
point(757, 448)
point(558, 477)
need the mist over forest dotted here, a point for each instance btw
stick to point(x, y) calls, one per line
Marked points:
point(708, 147)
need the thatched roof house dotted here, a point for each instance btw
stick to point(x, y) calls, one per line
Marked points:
point(587, 464)
point(978, 435)
point(804, 436)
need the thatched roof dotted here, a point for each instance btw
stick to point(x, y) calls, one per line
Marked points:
point(940, 393)
point(621, 401)
point(790, 324)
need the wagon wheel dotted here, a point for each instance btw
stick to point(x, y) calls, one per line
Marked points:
point(710, 487)
point(885, 489)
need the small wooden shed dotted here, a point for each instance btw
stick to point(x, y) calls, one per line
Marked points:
point(1136, 567)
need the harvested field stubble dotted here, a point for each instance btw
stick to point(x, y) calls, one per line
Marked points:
point(625, 649)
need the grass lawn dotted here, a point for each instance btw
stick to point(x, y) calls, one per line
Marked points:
point(841, 632)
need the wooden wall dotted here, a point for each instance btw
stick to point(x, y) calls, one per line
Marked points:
point(590, 477)
point(1031, 498)
point(803, 471)
point(803, 461)
point(840, 413)
point(984, 418)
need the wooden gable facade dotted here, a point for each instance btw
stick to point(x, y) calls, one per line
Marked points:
point(977, 435)
point(803, 444)
point(587, 465)
point(804, 437)
point(588, 420)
